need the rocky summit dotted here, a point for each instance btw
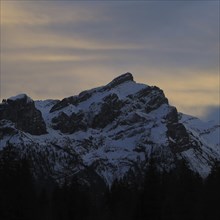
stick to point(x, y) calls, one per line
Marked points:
point(21, 111)
point(106, 133)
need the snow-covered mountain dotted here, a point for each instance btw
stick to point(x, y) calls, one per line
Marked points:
point(106, 133)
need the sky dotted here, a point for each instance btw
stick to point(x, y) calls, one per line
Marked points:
point(55, 49)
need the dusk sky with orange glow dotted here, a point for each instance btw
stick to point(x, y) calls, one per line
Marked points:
point(55, 49)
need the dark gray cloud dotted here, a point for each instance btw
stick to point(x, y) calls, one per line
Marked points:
point(167, 33)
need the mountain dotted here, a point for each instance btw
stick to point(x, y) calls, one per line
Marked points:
point(106, 133)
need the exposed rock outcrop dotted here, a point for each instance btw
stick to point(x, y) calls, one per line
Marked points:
point(110, 110)
point(21, 110)
point(119, 80)
point(69, 124)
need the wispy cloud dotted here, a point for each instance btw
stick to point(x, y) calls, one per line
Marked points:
point(31, 13)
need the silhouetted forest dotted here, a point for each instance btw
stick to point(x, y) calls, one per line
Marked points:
point(177, 195)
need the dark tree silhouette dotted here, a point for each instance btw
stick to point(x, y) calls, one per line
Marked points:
point(177, 194)
point(17, 194)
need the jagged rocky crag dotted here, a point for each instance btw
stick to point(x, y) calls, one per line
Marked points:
point(106, 133)
point(21, 111)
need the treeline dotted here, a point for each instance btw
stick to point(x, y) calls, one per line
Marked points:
point(179, 194)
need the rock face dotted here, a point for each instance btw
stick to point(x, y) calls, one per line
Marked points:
point(21, 110)
point(110, 110)
point(69, 124)
point(83, 96)
point(106, 133)
point(119, 80)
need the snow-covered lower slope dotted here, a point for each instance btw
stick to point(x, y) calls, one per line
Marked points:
point(110, 132)
point(207, 134)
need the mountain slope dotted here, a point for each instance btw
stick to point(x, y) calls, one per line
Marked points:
point(107, 132)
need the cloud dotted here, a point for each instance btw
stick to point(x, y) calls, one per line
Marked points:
point(36, 14)
point(52, 57)
point(212, 113)
point(13, 15)
point(34, 25)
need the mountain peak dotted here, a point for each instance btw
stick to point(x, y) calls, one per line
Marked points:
point(121, 79)
point(125, 76)
point(20, 98)
point(21, 110)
